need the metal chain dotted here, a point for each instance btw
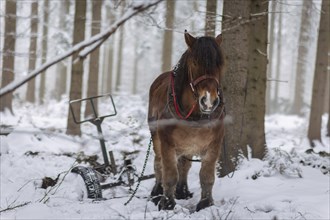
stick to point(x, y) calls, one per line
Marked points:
point(142, 173)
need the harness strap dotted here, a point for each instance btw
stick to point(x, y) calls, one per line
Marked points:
point(202, 78)
point(176, 106)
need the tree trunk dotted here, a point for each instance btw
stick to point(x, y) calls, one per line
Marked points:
point(244, 82)
point(328, 124)
point(109, 72)
point(210, 17)
point(255, 90)
point(278, 61)
point(235, 47)
point(302, 61)
point(320, 76)
point(168, 36)
point(120, 53)
point(327, 90)
point(8, 56)
point(108, 69)
point(270, 60)
point(135, 66)
point(328, 97)
point(77, 68)
point(42, 90)
point(93, 74)
point(61, 68)
point(30, 95)
point(194, 22)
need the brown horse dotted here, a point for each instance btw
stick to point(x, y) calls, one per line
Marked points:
point(186, 113)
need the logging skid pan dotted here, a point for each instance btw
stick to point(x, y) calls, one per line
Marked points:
point(94, 177)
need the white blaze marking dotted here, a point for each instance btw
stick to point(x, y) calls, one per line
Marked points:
point(208, 101)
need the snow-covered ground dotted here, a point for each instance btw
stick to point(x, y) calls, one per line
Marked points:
point(288, 184)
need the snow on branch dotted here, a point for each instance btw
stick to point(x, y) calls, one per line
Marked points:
point(95, 41)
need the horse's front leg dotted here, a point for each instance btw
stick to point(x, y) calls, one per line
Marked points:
point(182, 191)
point(157, 190)
point(169, 178)
point(206, 177)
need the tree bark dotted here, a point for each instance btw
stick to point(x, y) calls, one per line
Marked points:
point(235, 47)
point(210, 15)
point(271, 44)
point(327, 91)
point(42, 90)
point(120, 53)
point(328, 124)
point(304, 39)
point(135, 66)
point(320, 76)
point(244, 83)
point(30, 95)
point(168, 36)
point(255, 89)
point(77, 67)
point(62, 67)
point(108, 74)
point(8, 57)
point(93, 74)
point(278, 61)
point(328, 98)
point(108, 70)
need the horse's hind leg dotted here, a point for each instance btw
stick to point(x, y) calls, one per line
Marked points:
point(182, 191)
point(157, 190)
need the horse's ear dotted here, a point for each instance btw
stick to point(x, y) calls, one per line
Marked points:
point(190, 40)
point(218, 39)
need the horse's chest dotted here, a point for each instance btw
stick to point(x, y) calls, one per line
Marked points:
point(192, 141)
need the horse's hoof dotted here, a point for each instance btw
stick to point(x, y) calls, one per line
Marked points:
point(156, 193)
point(156, 199)
point(166, 203)
point(204, 203)
point(183, 193)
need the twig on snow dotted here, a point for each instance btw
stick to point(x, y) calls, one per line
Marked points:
point(231, 208)
point(45, 198)
point(14, 207)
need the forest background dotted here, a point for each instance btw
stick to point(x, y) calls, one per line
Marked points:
point(287, 40)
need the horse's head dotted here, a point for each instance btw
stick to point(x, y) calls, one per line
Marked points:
point(205, 62)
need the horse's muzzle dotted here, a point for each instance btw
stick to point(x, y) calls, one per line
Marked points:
point(206, 105)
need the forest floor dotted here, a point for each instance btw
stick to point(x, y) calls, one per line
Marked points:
point(289, 183)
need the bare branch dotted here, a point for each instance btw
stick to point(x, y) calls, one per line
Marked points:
point(14, 207)
point(96, 39)
point(277, 80)
point(262, 53)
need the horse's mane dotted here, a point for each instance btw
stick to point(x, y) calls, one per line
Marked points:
point(206, 53)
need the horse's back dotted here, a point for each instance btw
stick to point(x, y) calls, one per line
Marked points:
point(161, 81)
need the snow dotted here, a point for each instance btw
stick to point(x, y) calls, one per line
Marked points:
point(38, 147)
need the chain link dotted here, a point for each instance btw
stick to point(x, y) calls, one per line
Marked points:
point(142, 173)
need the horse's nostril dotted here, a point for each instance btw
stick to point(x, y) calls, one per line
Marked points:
point(203, 100)
point(216, 102)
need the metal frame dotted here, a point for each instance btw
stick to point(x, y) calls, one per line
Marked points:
point(89, 175)
point(97, 121)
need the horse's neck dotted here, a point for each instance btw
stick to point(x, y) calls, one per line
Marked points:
point(185, 96)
